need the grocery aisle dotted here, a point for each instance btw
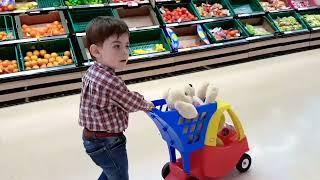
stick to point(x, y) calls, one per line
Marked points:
point(277, 100)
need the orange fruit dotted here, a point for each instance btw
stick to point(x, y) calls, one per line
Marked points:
point(43, 66)
point(49, 64)
point(24, 26)
point(56, 32)
point(39, 61)
point(65, 58)
point(69, 61)
point(55, 63)
point(34, 58)
point(28, 68)
point(36, 53)
point(60, 61)
point(5, 63)
point(33, 33)
point(45, 61)
point(51, 60)
point(10, 68)
point(47, 56)
point(15, 70)
point(56, 22)
point(15, 66)
point(14, 62)
point(34, 63)
point(27, 58)
point(29, 54)
point(27, 64)
point(54, 55)
point(43, 52)
point(67, 53)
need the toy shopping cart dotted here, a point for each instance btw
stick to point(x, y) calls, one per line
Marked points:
point(196, 140)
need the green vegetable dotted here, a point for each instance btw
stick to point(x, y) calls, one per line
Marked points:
point(312, 19)
point(288, 24)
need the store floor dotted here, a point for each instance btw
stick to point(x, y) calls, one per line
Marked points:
point(277, 99)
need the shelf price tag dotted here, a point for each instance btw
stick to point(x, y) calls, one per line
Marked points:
point(174, 38)
point(202, 35)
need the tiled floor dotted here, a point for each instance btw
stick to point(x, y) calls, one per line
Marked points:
point(277, 99)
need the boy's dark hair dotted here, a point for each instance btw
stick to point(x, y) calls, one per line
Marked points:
point(101, 28)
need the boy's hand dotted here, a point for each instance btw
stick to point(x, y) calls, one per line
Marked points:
point(150, 106)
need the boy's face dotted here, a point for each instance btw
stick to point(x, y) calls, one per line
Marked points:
point(114, 51)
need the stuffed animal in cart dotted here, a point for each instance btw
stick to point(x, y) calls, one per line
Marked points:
point(207, 93)
point(182, 100)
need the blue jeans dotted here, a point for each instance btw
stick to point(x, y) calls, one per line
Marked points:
point(111, 155)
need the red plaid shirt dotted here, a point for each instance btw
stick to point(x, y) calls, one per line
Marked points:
point(106, 101)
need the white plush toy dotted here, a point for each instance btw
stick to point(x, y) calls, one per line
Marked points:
point(184, 101)
point(207, 93)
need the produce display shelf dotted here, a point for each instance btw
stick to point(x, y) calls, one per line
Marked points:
point(26, 85)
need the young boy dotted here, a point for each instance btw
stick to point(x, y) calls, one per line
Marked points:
point(105, 100)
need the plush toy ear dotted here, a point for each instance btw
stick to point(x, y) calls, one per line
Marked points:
point(189, 90)
point(211, 94)
point(201, 93)
point(186, 110)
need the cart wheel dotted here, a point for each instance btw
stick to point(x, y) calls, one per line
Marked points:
point(244, 163)
point(165, 170)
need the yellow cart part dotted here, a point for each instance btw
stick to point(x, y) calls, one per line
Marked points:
point(213, 127)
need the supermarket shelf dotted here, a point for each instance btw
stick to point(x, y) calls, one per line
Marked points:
point(38, 10)
point(198, 21)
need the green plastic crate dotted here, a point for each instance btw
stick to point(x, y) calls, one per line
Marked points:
point(80, 18)
point(6, 25)
point(274, 16)
point(233, 23)
point(84, 2)
point(10, 53)
point(45, 17)
point(49, 3)
point(309, 12)
point(58, 46)
point(239, 7)
point(222, 2)
point(147, 39)
point(44, 3)
point(259, 21)
point(171, 6)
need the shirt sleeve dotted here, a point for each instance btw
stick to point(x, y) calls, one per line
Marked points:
point(129, 101)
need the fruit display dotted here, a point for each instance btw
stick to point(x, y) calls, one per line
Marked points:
point(221, 34)
point(11, 6)
point(5, 36)
point(215, 10)
point(301, 3)
point(26, 6)
point(43, 59)
point(288, 24)
point(124, 1)
point(257, 30)
point(312, 19)
point(154, 49)
point(8, 66)
point(177, 15)
point(51, 29)
point(274, 5)
point(82, 2)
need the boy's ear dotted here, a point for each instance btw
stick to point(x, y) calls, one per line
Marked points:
point(94, 51)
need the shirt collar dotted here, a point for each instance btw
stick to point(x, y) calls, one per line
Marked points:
point(109, 69)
